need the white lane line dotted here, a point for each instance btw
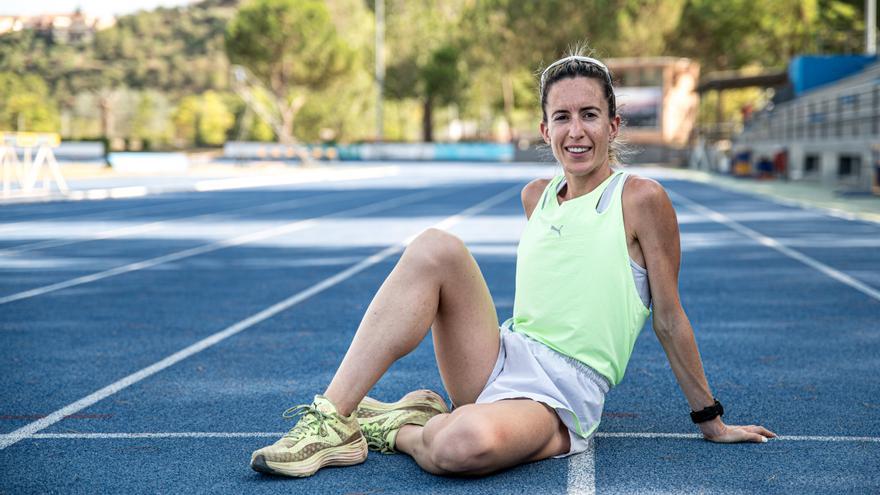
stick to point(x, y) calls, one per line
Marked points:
point(812, 438)
point(113, 192)
point(822, 207)
point(778, 246)
point(104, 234)
point(73, 408)
point(157, 225)
point(214, 246)
point(793, 438)
point(647, 435)
point(579, 462)
point(581, 476)
point(175, 434)
point(304, 177)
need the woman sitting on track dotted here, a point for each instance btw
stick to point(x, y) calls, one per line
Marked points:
point(596, 240)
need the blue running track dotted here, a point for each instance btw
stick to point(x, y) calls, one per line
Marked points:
point(149, 345)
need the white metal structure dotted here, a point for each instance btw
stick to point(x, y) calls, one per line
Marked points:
point(244, 84)
point(28, 171)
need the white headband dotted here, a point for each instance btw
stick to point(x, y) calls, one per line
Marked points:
point(579, 58)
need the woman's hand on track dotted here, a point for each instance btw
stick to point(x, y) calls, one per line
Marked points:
point(717, 431)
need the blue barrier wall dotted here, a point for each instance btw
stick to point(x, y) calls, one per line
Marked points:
point(493, 152)
point(807, 72)
point(502, 152)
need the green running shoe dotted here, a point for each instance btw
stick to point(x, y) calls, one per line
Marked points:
point(380, 421)
point(321, 437)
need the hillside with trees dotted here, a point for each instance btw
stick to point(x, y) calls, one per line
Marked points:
point(161, 78)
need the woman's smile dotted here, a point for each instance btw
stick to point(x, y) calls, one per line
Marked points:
point(578, 151)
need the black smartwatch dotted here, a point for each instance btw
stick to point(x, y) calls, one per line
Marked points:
point(708, 413)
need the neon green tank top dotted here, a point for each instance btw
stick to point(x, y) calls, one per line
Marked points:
point(574, 287)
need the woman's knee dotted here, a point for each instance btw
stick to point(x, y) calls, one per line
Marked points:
point(465, 444)
point(436, 248)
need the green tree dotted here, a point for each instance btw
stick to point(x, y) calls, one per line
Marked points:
point(644, 26)
point(441, 82)
point(144, 118)
point(151, 121)
point(316, 57)
point(739, 33)
point(430, 72)
point(841, 26)
point(203, 119)
point(186, 120)
point(214, 119)
point(25, 104)
point(512, 39)
point(340, 110)
point(292, 46)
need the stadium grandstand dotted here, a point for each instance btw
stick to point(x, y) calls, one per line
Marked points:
point(828, 131)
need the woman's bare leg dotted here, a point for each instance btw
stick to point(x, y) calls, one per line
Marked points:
point(436, 283)
point(479, 439)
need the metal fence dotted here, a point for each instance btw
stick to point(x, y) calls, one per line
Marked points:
point(852, 112)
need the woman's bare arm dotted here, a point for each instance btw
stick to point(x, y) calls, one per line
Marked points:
point(656, 228)
point(531, 193)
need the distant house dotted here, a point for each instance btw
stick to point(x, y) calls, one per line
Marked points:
point(657, 101)
point(60, 28)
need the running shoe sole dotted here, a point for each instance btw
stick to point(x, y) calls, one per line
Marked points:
point(344, 455)
point(414, 398)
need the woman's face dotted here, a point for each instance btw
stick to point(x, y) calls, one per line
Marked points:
point(578, 128)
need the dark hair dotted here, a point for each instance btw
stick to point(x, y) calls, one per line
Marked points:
point(577, 66)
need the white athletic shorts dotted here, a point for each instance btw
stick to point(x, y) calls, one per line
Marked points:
point(529, 369)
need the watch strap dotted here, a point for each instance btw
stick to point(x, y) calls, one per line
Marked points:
point(708, 413)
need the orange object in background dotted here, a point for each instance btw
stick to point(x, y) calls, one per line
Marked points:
point(742, 164)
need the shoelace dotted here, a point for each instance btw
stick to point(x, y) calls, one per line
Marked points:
point(377, 435)
point(311, 421)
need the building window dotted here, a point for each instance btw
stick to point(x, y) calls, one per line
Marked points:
point(652, 76)
point(849, 166)
point(628, 77)
point(811, 165)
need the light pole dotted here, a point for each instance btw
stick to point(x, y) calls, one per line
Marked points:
point(870, 27)
point(380, 66)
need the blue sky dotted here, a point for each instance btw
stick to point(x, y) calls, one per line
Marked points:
point(88, 6)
